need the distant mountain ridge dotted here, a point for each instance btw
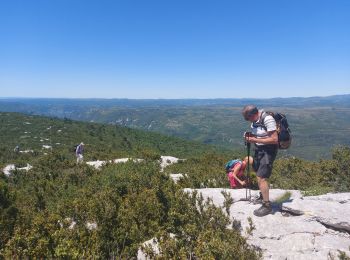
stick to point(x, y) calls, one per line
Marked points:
point(337, 100)
point(318, 123)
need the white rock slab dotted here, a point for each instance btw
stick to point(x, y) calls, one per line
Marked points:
point(168, 160)
point(153, 243)
point(176, 176)
point(8, 168)
point(27, 151)
point(124, 160)
point(91, 225)
point(98, 164)
point(337, 197)
point(27, 168)
point(11, 167)
point(293, 237)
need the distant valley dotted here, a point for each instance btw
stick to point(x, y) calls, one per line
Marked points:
point(317, 123)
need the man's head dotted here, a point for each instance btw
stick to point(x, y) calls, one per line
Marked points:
point(250, 113)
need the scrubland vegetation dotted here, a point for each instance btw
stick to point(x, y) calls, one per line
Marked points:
point(59, 209)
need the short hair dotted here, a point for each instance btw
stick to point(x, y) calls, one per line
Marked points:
point(248, 111)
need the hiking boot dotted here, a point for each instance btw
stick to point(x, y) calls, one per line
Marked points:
point(258, 199)
point(264, 210)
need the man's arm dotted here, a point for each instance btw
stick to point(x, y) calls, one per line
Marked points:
point(271, 138)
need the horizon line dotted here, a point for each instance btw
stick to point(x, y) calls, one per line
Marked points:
point(189, 98)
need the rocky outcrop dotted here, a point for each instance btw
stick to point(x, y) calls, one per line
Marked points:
point(11, 167)
point(319, 228)
point(176, 176)
point(163, 162)
point(98, 164)
point(168, 160)
point(314, 227)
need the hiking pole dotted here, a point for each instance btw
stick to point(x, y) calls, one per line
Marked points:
point(247, 144)
point(248, 173)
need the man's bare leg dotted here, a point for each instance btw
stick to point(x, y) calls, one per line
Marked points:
point(264, 188)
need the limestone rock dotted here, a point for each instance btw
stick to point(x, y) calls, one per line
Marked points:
point(282, 236)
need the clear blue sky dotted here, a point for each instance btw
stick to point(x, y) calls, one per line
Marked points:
point(174, 48)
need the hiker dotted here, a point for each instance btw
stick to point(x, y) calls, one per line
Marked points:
point(235, 172)
point(264, 137)
point(16, 150)
point(79, 152)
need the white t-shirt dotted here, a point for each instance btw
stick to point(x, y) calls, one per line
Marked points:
point(260, 131)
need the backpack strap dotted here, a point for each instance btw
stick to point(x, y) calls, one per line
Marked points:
point(261, 120)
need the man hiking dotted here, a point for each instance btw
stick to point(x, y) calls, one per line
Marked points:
point(79, 151)
point(265, 138)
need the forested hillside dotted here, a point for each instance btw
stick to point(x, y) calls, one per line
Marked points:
point(36, 135)
point(318, 124)
point(60, 209)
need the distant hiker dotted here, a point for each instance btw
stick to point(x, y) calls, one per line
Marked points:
point(265, 138)
point(79, 151)
point(16, 150)
point(235, 172)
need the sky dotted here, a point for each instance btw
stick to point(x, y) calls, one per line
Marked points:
point(174, 48)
